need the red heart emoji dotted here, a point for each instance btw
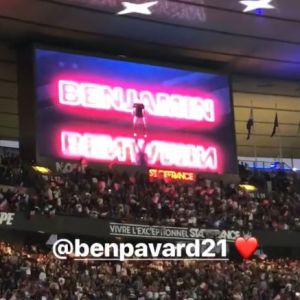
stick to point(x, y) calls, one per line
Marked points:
point(246, 247)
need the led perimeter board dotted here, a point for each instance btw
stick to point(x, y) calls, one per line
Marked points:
point(121, 112)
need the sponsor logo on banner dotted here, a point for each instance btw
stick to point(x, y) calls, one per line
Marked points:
point(6, 218)
point(171, 175)
point(68, 167)
point(65, 168)
point(167, 232)
point(258, 195)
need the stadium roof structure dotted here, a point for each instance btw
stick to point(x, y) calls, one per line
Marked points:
point(259, 48)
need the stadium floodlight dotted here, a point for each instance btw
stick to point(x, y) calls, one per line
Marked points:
point(257, 4)
point(41, 169)
point(138, 8)
point(248, 187)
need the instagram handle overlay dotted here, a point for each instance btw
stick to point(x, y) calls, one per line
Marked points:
point(207, 249)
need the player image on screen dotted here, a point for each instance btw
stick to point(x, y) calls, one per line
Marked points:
point(139, 118)
point(141, 156)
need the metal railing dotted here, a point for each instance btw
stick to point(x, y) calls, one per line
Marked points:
point(267, 165)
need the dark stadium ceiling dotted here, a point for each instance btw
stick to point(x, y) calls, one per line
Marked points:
point(210, 33)
point(260, 49)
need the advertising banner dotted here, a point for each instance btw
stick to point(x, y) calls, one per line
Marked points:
point(168, 175)
point(167, 232)
point(105, 230)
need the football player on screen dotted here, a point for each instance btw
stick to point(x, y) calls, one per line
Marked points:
point(139, 118)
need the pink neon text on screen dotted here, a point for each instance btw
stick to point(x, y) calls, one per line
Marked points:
point(160, 104)
point(104, 147)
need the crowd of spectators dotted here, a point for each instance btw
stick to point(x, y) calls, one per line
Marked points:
point(29, 273)
point(10, 169)
point(90, 193)
point(33, 273)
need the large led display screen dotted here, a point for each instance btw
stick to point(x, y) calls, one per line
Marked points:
point(128, 113)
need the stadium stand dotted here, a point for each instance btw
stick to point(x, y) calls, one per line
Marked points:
point(31, 273)
point(122, 197)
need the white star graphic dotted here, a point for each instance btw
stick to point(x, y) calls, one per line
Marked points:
point(139, 8)
point(257, 4)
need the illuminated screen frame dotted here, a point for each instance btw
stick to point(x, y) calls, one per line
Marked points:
point(41, 158)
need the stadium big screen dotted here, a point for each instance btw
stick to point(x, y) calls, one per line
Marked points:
point(127, 113)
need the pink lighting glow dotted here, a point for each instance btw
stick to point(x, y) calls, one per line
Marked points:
point(121, 99)
point(119, 149)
